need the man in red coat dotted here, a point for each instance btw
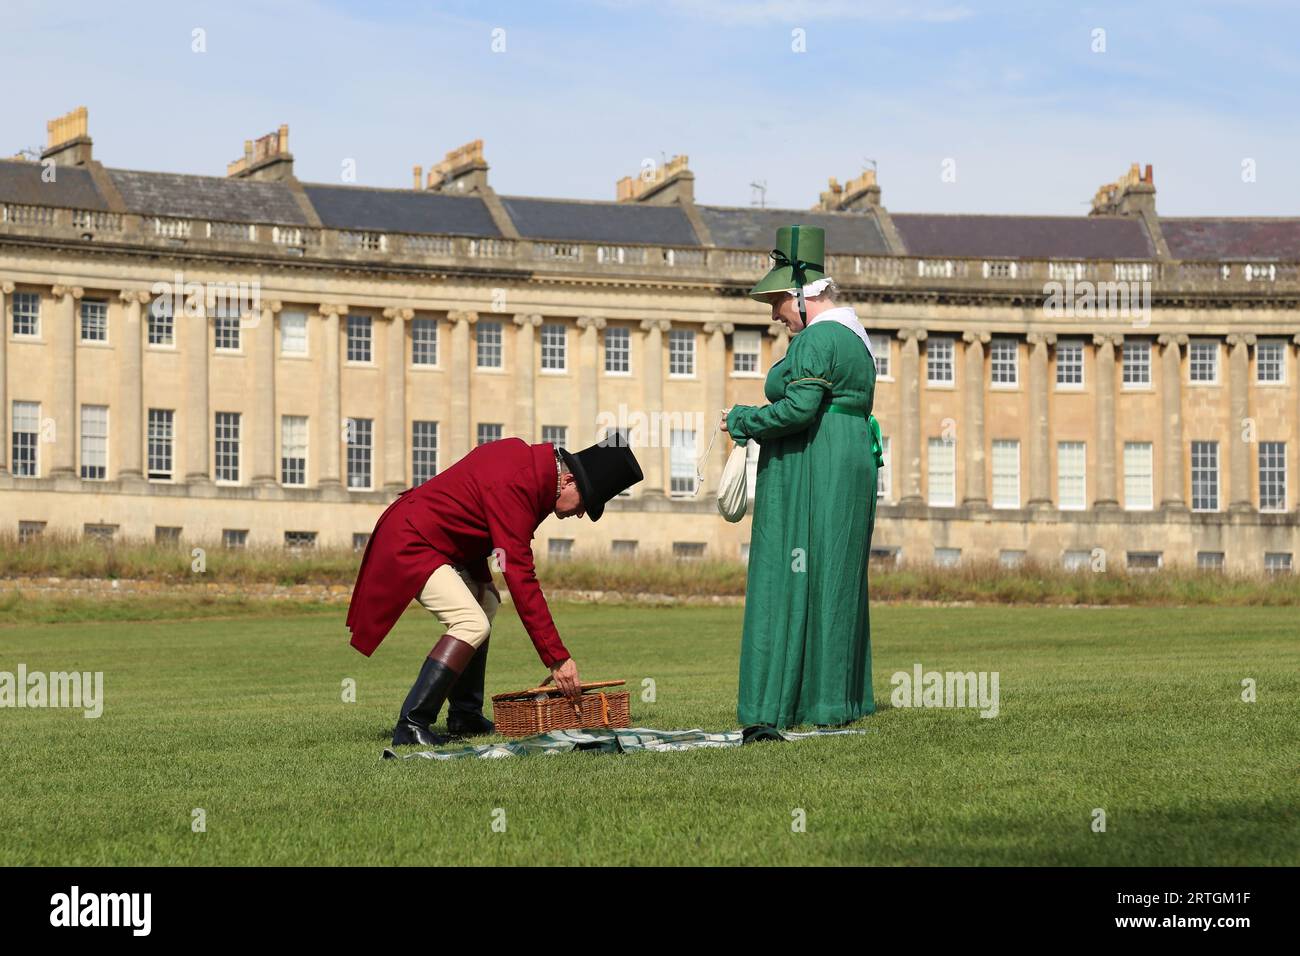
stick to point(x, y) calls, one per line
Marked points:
point(433, 544)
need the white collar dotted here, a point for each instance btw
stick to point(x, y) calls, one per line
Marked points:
point(846, 317)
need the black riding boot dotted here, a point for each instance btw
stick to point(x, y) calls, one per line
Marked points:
point(438, 675)
point(465, 702)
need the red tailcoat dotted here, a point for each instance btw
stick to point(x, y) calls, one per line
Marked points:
point(494, 497)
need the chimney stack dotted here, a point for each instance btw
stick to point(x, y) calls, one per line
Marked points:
point(854, 196)
point(68, 140)
point(661, 186)
point(267, 158)
point(417, 178)
point(1134, 193)
point(462, 170)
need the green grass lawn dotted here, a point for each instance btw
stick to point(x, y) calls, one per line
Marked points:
point(1136, 711)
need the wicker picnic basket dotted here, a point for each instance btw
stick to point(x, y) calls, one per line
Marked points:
point(522, 713)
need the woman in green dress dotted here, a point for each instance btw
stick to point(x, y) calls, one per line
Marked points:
point(806, 651)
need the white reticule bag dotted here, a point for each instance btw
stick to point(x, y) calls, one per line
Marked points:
point(731, 489)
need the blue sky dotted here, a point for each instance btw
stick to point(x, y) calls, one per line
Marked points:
point(1012, 93)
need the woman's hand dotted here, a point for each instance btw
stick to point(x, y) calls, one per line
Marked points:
point(565, 675)
point(722, 425)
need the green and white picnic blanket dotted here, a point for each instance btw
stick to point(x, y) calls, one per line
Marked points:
point(617, 741)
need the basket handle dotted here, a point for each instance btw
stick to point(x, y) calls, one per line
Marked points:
point(533, 691)
point(584, 686)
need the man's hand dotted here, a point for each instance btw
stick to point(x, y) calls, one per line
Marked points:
point(722, 424)
point(565, 675)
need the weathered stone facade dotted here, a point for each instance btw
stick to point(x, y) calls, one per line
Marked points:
point(1023, 418)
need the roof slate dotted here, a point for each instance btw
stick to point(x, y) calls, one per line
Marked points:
point(600, 221)
point(1217, 239)
point(72, 188)
point(1029, 237)
point(396, 210)
point(739, 228)
point(207, 197)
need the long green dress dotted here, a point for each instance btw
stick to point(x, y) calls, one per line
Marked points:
point(805, 655)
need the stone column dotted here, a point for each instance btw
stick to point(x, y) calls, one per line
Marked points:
point(130, 406)
point(265, 471)
point(715, 399)
point(909, 424)
point(588, 379)
point(1171, 408)
point(652, 456)
point(396, 479)
point(196, 420)
point(1040, 471)
point(1107, 478)
point(781, 341)
point(328, 472)
point(62, 335)
point(1239, 448)
point(973, 441)
point(526, 376)
point(6, 290)
point(460, 429)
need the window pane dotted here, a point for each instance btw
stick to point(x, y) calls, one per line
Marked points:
point(1004, 361)
point(159, 441)
point(1272, 476)
point(360, 438)
point(226, 433)
point(553, 347)
point(1006, 474)
point(938, 361)
point(745, 351)
point(1139, 483)
point(617, 350)
point(293, 450)
point(941, 465)
point(1205, 476)
point(94, 320)
point(488, 338)
point(359, 338)
point(1070, 475)
point(681, 352)
point(1137, 363)
point(293, 333)
point(682, 456)
point(27, 313)
point(94, 442)
point(424, 342)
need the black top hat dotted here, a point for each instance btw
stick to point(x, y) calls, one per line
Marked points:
point(602, 471)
